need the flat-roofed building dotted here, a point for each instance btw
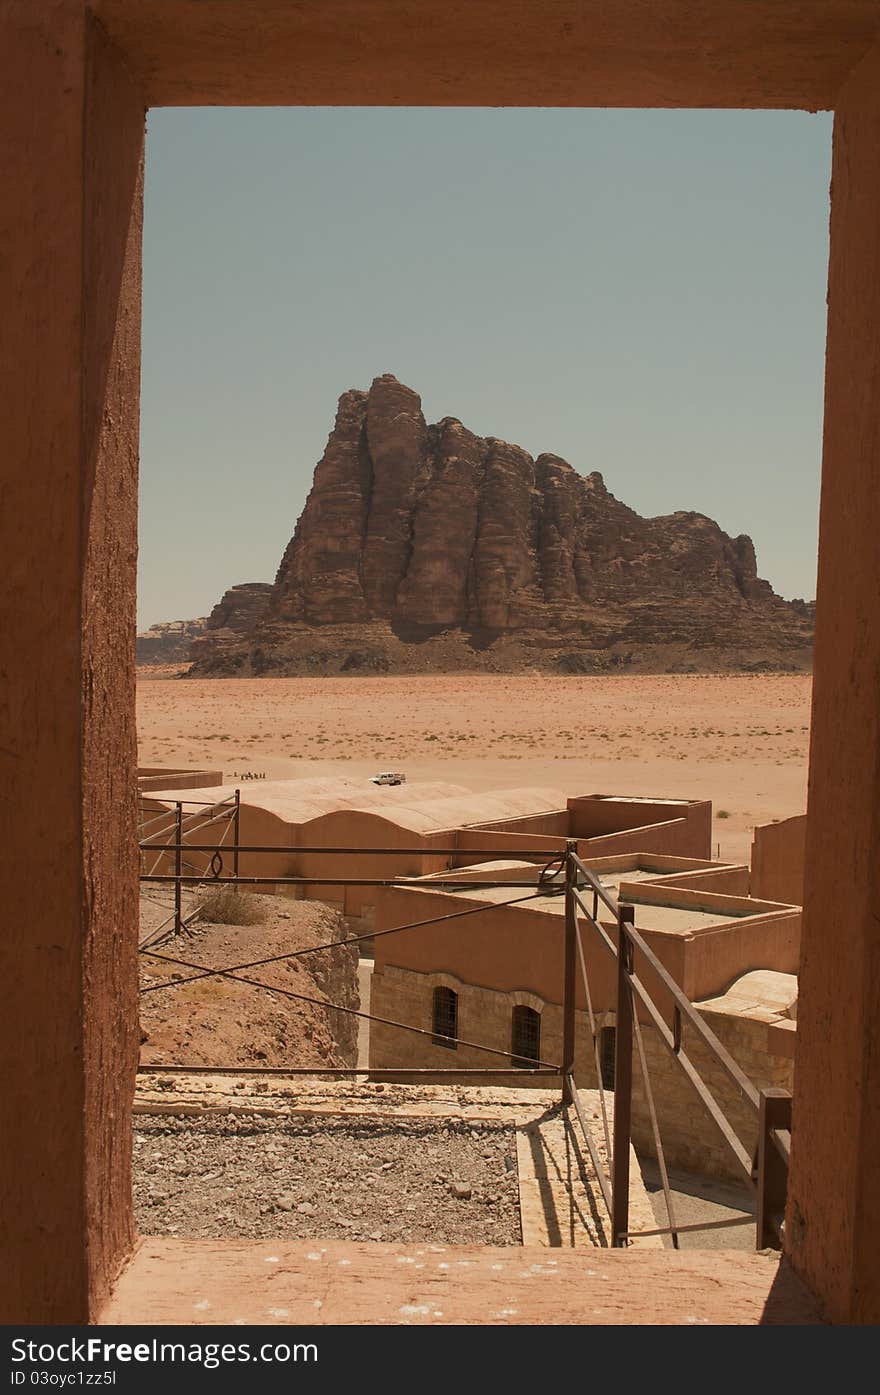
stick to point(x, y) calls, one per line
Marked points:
point(506, 956)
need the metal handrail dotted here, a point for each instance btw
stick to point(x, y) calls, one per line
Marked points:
point(682, 1003)
point(594, 883)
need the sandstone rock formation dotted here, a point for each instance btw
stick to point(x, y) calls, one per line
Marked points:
point(424, 547)
point(168, 643)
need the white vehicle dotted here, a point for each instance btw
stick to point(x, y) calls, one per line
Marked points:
point(389, 777)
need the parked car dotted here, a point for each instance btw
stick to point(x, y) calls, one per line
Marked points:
point(389, 777)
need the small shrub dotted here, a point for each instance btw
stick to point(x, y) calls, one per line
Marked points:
point(227, 905)
point(723, 814)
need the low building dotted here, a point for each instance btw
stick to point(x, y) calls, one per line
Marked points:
point(494, 977)
point(435, 825)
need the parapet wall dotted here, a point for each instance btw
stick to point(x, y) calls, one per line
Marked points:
point(159, 778)
point(778, 855)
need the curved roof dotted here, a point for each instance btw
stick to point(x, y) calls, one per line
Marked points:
point(761, 993)
point(421, 810)
point(420, 807)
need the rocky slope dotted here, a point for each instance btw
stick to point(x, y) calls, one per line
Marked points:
point(425, 547)
point(168, 643)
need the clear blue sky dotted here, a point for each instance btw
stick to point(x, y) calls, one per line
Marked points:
point(642, 293)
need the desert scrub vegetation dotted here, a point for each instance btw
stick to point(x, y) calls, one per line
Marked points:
point(226, 905)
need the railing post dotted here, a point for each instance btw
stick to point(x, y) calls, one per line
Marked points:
point(178, 871)
point(622, 1082)
point(569, 970)
point(772, 1169)
point(235, 827)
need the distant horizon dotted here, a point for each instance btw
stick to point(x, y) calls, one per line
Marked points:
point(640, 293)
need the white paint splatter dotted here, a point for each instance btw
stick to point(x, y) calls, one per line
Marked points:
point(271, 1259)
point(414, 1310)
point(279, 1312)
point(202, 1305)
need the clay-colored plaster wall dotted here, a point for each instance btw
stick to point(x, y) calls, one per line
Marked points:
point(716, 956)
point(69, 368)
point(677, 837)
point(552, 825)
point(357, 828)
point(630, 53)
point(778, 860)
point(72, 124)
point(733, 880)
point(159, 779)
point(592, 817)
point(833, 1217)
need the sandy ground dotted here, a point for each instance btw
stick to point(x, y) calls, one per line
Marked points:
point(739, 740)
point(217, 1022)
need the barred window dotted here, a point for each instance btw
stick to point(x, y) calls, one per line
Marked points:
point(607, 1052)
point(525, 1036)
point(445, 1017)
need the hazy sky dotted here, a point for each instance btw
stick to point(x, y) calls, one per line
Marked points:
point(642, 293)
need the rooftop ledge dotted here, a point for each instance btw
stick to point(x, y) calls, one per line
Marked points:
point(330, 1282)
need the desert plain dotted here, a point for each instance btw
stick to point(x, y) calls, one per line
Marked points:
point(741, 740)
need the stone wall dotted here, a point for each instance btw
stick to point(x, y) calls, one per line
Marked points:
point(690, 1139)
point(765, 1051)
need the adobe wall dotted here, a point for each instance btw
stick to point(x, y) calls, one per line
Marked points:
point(675, 838)
point(778, 860)
point(70, 383)
point(69, 377)
point(715, 957)
point(552, 825)
point(155, 778)
point(345, 828)
point(593, 816)
point(671, 53)
point(522, 948)
point(733, 880)
point(257, 826)
point(833, 1215)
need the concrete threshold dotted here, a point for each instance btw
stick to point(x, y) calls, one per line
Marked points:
point(307, 1283)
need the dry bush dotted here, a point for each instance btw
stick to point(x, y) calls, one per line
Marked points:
point(226, 905)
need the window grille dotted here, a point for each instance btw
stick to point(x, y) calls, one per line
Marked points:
point(525, 1036)
point(445, 1018)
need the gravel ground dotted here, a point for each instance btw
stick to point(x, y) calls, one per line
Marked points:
point(449, 1181)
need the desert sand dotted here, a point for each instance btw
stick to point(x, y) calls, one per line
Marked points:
point(740, 740)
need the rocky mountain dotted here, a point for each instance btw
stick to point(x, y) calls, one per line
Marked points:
point(168, 643)
point(428, 548)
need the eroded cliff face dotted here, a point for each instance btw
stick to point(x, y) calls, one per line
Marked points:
point(168, 643)
point(426, 547)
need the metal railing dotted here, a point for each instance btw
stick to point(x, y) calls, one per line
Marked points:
point(567, 875)
point(174, 821)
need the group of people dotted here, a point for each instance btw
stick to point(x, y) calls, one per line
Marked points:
point(249, 775)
